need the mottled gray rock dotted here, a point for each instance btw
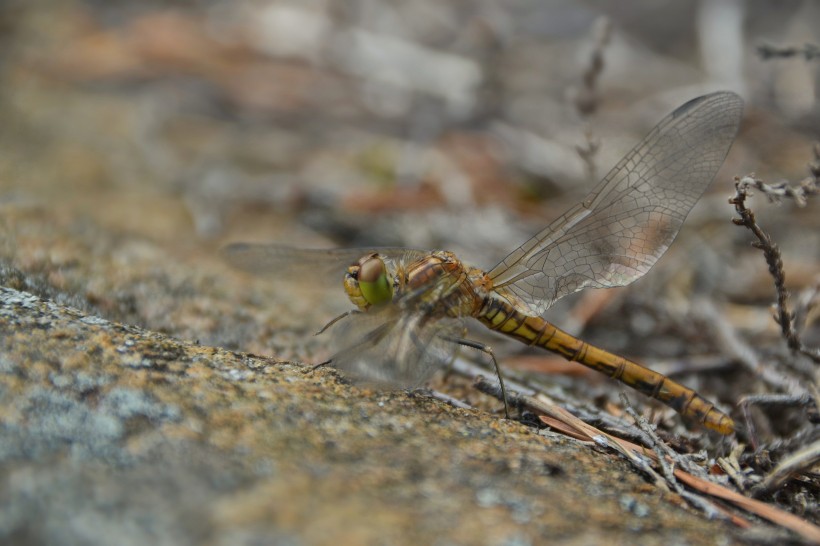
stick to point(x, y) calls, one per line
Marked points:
point(111, 434)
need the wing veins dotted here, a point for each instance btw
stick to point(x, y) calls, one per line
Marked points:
point(638, 207)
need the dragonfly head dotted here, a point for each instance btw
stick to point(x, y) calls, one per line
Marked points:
point(367, 282)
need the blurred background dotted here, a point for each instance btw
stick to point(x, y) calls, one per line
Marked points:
point(137, 138)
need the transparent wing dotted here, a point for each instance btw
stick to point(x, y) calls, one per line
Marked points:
point(392, 347)
point(301, 263)
point(629, 220)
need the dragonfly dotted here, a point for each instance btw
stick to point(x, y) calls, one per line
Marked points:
point(411, 305)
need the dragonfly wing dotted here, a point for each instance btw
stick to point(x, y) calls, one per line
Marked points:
point(305, 263)
point(629, 220)
point(389, 347)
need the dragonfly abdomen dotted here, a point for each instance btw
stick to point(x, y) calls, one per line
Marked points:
point(536, 331)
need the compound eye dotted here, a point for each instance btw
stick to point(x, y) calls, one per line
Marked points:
point(373, 280)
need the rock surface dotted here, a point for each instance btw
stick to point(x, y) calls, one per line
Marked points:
point(114, 434)
point(137, 138)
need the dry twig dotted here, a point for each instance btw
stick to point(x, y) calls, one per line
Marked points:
point(799, 461)
point(565, 421)
point(807, 187)
point(585, 98)
point(730, 342)
point(731, 466)
point(807, 51)
point(802, 456)
point(667, 459)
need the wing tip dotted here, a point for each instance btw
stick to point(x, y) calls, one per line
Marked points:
point(731, 99)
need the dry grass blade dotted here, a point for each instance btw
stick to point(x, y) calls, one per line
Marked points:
point(550, 413)
point(798, 461)
point(775, 515)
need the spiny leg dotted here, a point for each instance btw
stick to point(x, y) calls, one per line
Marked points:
point(335, 320)
point(324, 329)
point(486, 349)
point(372, 338)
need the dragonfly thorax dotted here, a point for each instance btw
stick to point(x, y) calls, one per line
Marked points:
point(439, 283)
point(443, 285)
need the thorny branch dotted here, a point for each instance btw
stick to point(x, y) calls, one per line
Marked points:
point(773, 259)
point(667, 459)
point(808, 187)
point(586, 97)
point(698, 488)
point(796, 463)
point(808, 51)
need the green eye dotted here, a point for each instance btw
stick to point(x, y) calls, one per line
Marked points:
point(373, 281)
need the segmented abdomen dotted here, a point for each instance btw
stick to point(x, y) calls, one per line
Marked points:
point(501, 317)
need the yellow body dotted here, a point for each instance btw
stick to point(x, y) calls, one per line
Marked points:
point(440, 285)
point(536, 331)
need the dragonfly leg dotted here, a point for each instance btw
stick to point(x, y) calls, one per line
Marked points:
point(320, 365)
point(372, 338)
point(334, 321)
point(486, 349)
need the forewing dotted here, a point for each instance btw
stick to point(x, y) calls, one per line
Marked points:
point(629, 220)
point(389, 347)
point(305, 263)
